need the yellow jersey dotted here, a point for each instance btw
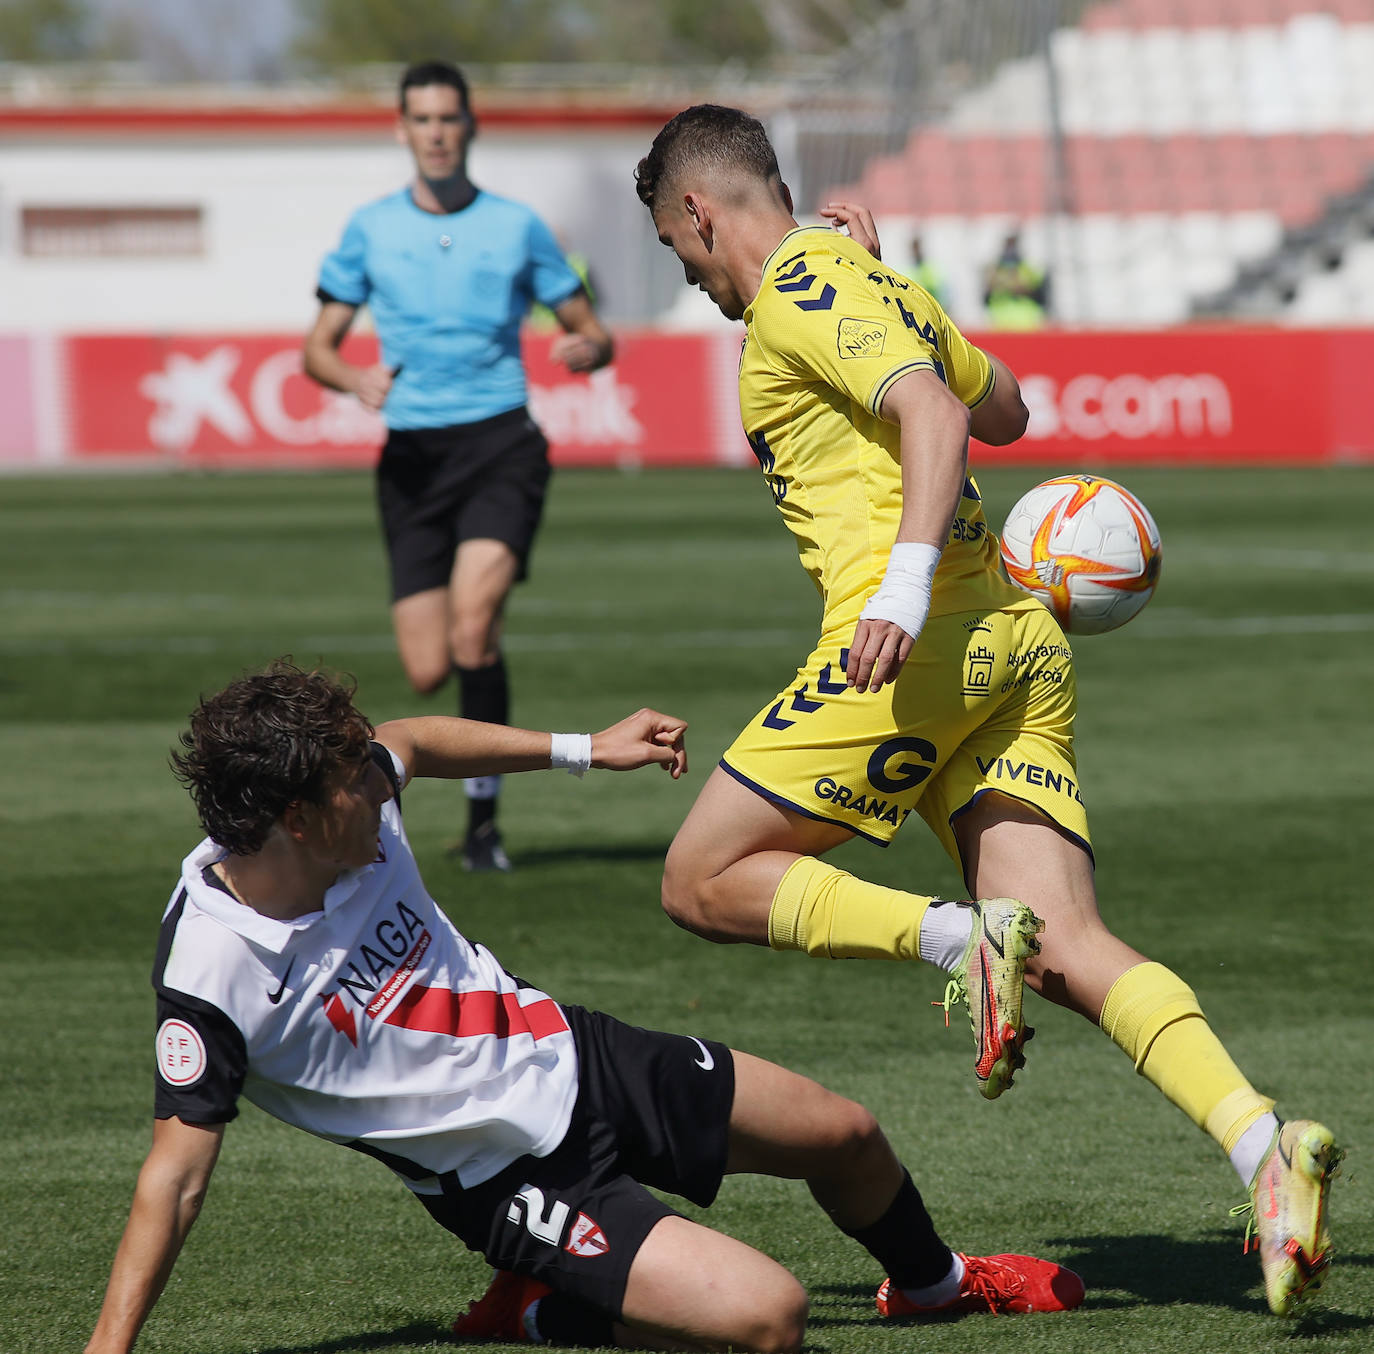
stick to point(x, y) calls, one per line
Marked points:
point(829, 333)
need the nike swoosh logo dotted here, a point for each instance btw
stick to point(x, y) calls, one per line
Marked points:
point(706, 1062)
point(994, 941)
point(1273, 1210)
point(275, 997)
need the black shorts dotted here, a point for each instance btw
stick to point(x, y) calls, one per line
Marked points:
point(652, 1109)
point(438, 487)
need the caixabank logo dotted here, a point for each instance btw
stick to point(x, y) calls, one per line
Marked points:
point(214, 399)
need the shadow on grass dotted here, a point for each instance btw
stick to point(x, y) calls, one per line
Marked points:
point(417, 1333)
point(1146, 1270)
point(839, 1304)
point(1160, 1269)
point(590, 851)
point(1207, 1273)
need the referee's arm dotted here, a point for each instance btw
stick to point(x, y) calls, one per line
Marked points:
point(171, 1187)
point(324, 363)
point(586, 343)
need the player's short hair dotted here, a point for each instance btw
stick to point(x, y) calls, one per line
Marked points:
point(710, 137)
point(434, 73)
point(265, 742)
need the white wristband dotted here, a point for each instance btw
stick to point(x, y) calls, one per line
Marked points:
point(573, 751)
point(904, 597)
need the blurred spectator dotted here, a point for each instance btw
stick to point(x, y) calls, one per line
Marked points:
point(1016, 293)
point(925, 274)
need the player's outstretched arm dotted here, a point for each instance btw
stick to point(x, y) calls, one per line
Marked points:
point(171, 1187)
point(585, 344)
point(644, 738)
point(446, 748)
point(324, 363)
point(856, 221)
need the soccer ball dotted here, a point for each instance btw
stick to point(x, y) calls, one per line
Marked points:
point(1086, 548)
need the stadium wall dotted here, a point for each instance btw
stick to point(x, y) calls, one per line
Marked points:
point(219, 400)
point(214, 218)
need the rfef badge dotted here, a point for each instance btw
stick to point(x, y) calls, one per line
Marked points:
point(862, 338)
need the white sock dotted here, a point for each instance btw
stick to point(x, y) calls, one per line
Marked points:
point(482, 787)
point(945, 930)
point(1253, 1147)
point(940, 1293)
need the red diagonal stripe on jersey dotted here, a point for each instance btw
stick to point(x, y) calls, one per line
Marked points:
point(465, 1015)
point(341, 1017)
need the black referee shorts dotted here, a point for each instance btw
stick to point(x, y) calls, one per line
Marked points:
point(652, 1109)
point(438, 487)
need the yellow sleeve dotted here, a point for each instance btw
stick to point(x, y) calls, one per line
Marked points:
point(968, 373)
point(839, 315)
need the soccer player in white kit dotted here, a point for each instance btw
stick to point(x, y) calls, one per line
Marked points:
point(302, 964)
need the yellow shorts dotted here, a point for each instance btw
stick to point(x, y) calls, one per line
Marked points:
point(985, 702)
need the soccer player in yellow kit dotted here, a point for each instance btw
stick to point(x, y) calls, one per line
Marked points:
point(936, 686)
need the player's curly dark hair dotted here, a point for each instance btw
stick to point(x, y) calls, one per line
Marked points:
point(263, 743)
point(706, 136)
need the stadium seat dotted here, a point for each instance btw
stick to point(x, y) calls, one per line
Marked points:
point(1252, 234)
point(1239, 117)
point(1323, 298)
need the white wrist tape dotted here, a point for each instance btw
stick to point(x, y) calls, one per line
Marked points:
point(572, 751)
point(904, 597)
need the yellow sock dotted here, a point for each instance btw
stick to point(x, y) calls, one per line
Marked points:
point(832, 915)
point(1153, 1016)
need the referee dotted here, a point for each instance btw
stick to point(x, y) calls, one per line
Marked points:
point(449, 272)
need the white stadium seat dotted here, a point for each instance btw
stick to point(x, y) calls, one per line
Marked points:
point(1253, 234)
point(1159, 118)
point(1323, 298)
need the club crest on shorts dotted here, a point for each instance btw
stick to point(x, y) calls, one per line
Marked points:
point(978, 662)
point(585, 1238)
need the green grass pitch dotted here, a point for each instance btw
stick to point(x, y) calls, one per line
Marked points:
point(1225, 752)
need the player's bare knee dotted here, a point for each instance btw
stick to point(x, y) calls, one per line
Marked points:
point(427, 678)
point(693, 904)
point(857, 1141)
point(680, 895)
point(472, 646)
point(474, 631)
point(866, 1137)
point(777, 1323)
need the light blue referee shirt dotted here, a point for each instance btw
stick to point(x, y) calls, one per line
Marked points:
point(447, 294)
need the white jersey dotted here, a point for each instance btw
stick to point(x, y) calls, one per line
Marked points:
point(373, 1022)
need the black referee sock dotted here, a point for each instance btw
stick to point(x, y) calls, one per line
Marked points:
point(562, 1320)
point(484, 694)
point(905, 1243)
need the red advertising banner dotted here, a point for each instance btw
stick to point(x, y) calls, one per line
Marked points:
point(1205, 396)
point(1190, 395)
point(19, 426)
point(225, 399)
point(211, 399)
point(658, 403)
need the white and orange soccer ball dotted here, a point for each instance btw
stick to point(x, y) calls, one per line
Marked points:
point(1085, 547)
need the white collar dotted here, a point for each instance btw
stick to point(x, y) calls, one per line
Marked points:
point(268, 932)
